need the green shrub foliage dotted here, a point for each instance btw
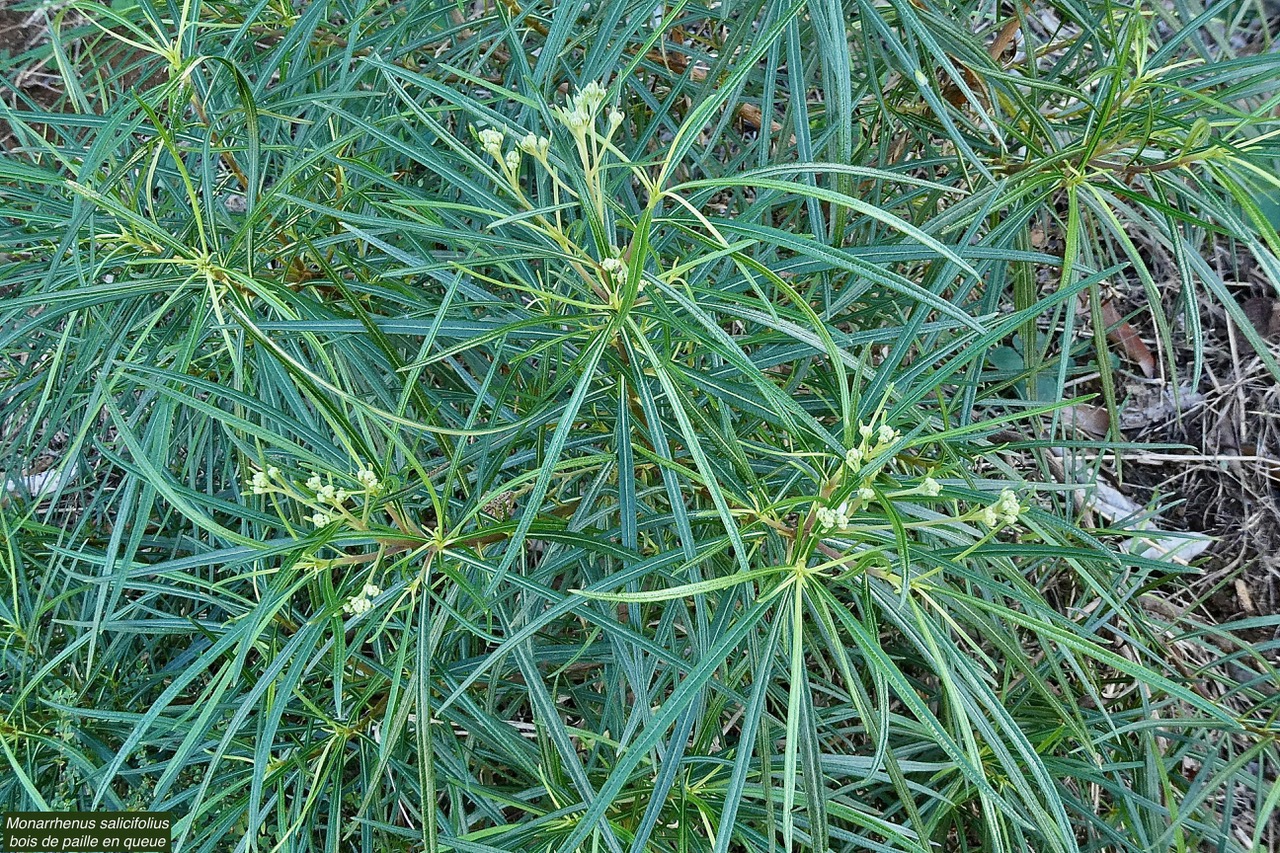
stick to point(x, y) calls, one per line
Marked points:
point(616, 426)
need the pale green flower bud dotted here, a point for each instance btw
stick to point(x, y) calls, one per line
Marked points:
point(260, 483)
point(528, 144)
point(357, 605)
point(616, 269)
point(491, 141)
point(591, 96)
point(1008, 507)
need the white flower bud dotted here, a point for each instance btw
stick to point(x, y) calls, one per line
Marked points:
point(528, 144)
point(591, 96)
point(513, 160)
point(854, 457)
point(866, 493)
point(616, 269)
point(491, 141)
point(314, 483)
point(575, 119)
point(357, 606)
point(259, 483)
point(1008, 507)
point(930, 487)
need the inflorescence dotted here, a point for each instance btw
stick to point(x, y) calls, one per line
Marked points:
point(876, 444)
point(322, 501)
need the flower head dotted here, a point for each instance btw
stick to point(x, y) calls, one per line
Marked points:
point(491, 142)
point(837, 517)
point(590, 96)
point(930, 487)
point(369, 480)
point(357, 605)
point(583, 109)
point(886, 434)
point(575, 119)
point(866, 493)
point(535, 146)
point(616, 269)
point(320, 519)
point(854, 457)
point(1008, 507)
point(1004, 510)
point(361, 603)
point(260, 482)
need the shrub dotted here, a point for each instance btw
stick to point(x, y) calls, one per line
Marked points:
point(554, 427)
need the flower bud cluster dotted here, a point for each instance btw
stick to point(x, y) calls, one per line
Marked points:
point(322, 501)
point(362, 603)
point(833, 519)
point(492, 141)
point(260, 482)
point(537, 147)
point(591, 126)
point(873, 441)
point(583, 107)
point(617, 270)
point(853, 486)
point(369, 480)
point(1005, 510)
